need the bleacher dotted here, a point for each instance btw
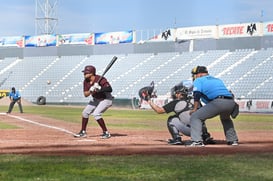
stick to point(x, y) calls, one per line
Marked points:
point(247, 72)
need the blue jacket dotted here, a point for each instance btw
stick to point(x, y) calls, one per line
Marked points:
point(15, 95)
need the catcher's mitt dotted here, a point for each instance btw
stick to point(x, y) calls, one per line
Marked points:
point(145, 93)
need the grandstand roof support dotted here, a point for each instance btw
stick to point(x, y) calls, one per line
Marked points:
point(46, 20)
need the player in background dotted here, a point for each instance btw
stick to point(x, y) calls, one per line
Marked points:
point(15, 97)
point(179, 123)
point(100, 102)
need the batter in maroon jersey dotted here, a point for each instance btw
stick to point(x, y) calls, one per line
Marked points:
point(101, 100)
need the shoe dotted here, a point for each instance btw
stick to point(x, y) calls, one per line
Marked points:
point(196, 144)
point(81, 134)
point(233, 143)
point(175, 141)
point(106, 135)
point(209, 141)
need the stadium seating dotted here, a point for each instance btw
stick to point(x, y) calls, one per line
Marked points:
point(247, 72)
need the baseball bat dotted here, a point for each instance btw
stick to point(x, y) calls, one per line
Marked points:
point(108, 67)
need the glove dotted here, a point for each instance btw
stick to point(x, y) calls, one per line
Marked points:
point(92, 89)
point(146, 96)
point(146, 93)
point(95, 88)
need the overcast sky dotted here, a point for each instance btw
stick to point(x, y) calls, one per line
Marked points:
point(17, 17)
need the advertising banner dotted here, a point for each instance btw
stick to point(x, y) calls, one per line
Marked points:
point(40, 41)
point(268, 28)
point(167, 35)
point(12, 41)
point(240, 30)
point(198, 32)
point(114, 37)
point(80, 38)
point(260, 106)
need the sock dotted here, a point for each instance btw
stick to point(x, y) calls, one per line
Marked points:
point(102, 124)
point(84, 123)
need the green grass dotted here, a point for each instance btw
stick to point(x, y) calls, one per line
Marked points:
point(233, 167)
point(138, 167)
point(141, 119)
point(7, 126)
point(129, 119)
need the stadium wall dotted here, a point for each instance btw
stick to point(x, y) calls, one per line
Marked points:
point(147, 47)
point(11, 52)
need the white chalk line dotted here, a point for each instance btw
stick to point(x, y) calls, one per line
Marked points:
point(86, 140)
point(47, 126)
point(39, 124)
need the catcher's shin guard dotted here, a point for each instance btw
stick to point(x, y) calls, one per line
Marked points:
point(172, 129)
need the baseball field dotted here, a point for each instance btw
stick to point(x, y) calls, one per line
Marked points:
point(39, 145)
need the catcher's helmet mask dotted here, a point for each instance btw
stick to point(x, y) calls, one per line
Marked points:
point(179, 89)
point(185, 88)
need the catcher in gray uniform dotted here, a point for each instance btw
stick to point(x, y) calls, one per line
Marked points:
point(179, 123)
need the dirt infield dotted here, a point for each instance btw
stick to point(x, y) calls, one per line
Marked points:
point(42, 136)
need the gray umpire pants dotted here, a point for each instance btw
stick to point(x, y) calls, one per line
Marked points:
point(11, 105)
point(222, 107)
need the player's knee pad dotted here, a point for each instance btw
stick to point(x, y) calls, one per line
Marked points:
point(97, 116)
point(85, 114)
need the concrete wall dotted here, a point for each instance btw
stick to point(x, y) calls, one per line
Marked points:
point(155, 47)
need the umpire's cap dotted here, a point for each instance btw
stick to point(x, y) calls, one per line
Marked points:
point(89, 69)
point(199, 69)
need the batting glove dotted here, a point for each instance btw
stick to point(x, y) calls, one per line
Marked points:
point(92, 89)
point(97, 86)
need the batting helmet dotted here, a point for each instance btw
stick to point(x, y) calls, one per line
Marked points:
point(89, 69)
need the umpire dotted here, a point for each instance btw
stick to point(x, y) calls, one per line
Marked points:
point(15, 97)
point(218, 101)
point(179, 123)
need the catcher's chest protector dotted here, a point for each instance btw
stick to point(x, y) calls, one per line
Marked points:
point(183, 106)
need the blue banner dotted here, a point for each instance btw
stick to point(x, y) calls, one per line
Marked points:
point(81, 38)
point(40, 41)
point(114, 37)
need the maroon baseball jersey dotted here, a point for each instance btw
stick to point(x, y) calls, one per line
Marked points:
point(102, 83)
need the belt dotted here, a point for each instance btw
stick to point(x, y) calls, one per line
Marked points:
point(223, 97)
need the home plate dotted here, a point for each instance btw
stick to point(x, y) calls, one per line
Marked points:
point(86, 140)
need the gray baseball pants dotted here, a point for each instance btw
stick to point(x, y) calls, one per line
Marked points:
point(222, 107)
point(179, 126)
point(96, 108)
